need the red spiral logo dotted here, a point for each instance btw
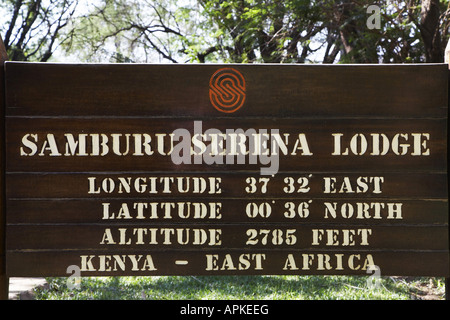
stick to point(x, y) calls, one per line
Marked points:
point(227, 90)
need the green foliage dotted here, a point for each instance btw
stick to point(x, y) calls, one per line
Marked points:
point(243, 31)
point(235, 287)
point(263, 31)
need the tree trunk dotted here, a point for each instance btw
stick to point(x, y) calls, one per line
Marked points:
point(429, 29)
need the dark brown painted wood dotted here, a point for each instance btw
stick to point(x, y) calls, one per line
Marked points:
point(183, 90)
point(391, 263)
point(318, 134)
point(231, 185)
point(55, 218)
point(202, 210)
point(146, 236)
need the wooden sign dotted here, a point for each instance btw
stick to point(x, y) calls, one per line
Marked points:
point(226, 169)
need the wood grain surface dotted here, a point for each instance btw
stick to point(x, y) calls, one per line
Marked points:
point(113, 207)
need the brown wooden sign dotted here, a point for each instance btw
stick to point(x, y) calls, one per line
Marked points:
point(226, 169)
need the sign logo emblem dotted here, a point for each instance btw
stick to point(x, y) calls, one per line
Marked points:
point(227, 90)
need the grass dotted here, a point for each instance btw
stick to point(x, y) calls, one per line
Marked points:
point(241, 288)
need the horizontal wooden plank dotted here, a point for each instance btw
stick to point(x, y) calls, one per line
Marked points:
point(379, 145)
point(186, 185)
point(227, 262)
point(147, 236)
point(332, 211)
point(35, 89)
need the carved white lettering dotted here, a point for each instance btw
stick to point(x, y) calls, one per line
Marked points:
point(112, 263)
point(346, 185)
point(245, 261)
point(154, 185)
point(162, 236)
point(379, 144)
point(327, 262)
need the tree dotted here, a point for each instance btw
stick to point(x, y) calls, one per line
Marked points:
point(430, 30)
point(285, 31)
point(263, 31)
point(243, 31)
point(33, 29)
point(128, 31)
